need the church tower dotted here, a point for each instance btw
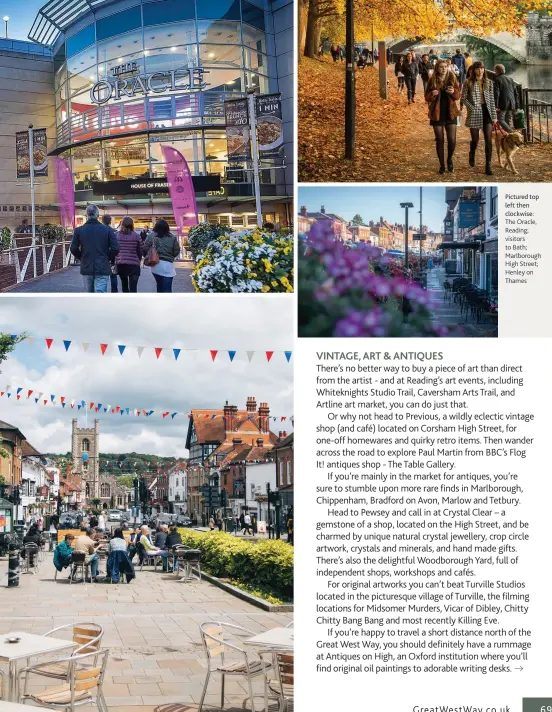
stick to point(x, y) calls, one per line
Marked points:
point(87, 440)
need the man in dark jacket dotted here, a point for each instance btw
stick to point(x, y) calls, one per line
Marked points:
point(459, 61)
point(94, 244)
point(424, 68)
point(505, 98)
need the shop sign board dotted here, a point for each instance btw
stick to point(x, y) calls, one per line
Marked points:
point(191, 80)
point(270, 129)
point(202, 184)
point(469, 212)
point(40, 154)
point(238, 136)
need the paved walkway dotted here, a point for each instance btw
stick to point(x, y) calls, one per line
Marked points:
point(447, 313)
point(69, 280)
point(151, 630)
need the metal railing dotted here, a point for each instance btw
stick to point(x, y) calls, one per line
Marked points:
point(538, 114)
point(21, 264)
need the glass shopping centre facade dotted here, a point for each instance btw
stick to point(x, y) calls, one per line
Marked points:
point(132, 76)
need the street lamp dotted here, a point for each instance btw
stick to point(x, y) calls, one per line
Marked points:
point(6, 20)
point(406, 206)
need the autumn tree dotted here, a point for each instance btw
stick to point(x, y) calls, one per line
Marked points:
point(7, 345)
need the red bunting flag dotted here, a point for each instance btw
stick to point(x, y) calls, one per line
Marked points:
point(96, 409)
point(158, 352)
point(144, 412)
point(91, 405)
point(165, 414)
point(103, 347)
point(213, 354)
point(49, 342)
point(283, 417)
point(62, 399)
point(269, 355)
point(2, 393)
point(29, 394)
point(118, 408)
point(45, 402)
point(18, 397)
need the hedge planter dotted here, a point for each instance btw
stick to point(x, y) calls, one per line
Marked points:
point(264, 565)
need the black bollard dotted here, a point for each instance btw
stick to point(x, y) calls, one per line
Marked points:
point(13, 566)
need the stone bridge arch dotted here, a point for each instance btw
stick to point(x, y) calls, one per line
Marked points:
point(515, 46)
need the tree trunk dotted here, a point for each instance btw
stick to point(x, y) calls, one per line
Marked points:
point(317, 33)
point(311, 34)
point(301, 23)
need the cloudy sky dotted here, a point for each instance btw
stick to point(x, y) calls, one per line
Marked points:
point(194, 381)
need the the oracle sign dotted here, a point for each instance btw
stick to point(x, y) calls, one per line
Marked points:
point(156, 83)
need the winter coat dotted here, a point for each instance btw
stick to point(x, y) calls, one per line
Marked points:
point(410, 71)
point(160, 540)
point(118, 563)
point(471, 97)
point(94, 244)
point(167, 246)
point(434, 103)
point(174, 539)
point(62, 555)
point(130, 248)
point(504, 93)
point(399, 67)
point(424, 70)
point(459, 61)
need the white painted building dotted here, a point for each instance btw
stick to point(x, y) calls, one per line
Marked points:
point(33, 479)
point(257, 475)
point(178, 490)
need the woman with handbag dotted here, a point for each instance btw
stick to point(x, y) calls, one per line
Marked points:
point(130, 254)
point(478, 97)
point(442, 93)
point(161, 249)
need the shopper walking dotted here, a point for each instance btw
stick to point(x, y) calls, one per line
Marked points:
point(106, 220)
point(478, 97)
point(505, 98)
point(425, 69)
point(166, 246)
point(410, 71)
point(130, 255)
point(441, 94)
point(94, 245)
point(459, 61)
point(399, 73)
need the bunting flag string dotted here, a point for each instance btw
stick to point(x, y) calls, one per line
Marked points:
point(173, 353)
point(101, 408)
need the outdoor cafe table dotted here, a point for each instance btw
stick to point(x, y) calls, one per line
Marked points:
point(29, 646)
point(273, 639)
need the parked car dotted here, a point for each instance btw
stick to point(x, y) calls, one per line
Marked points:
point(182, 521)
point(68, 521)
point(114, 515)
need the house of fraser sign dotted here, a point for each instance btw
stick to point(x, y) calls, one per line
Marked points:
point(120, 84)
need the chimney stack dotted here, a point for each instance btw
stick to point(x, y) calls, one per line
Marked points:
point(264, 417)
point(236, 442)
point(304, 212)
point(260, 442)
point(227, 416)
point(251, 405)
point(323, 210)
point(282, 435)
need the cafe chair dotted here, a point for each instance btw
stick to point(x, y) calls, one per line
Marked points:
point(30, 559)
point(215, 646)
point(78, 563)
point(83, 684)
point(279, 676)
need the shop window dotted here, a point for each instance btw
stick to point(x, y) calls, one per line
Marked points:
point(254, 38)
point(82, 39)
point(173, 57)
point(258, 82)
point(105, 490)
point(81, 62)
point(225, 80)
point(218, 9)
point(121, 49)
point(85, 445)
point(59, 58)
point(119, 23)
point(175, 35)
point(255, 60)
point(238, 221)
point(213, 55)
point(157, 13)
point(219, 32)
point(253, 15)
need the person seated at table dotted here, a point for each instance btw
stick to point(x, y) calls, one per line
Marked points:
point(118, 561)
point(63, 551)
point(161, 537)
point(84, 544)
point(33, 536)
point(173, 538)
point(151, 549)
point(134, 546)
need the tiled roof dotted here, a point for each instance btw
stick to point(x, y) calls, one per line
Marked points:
point(286, 442)
point(212, 430)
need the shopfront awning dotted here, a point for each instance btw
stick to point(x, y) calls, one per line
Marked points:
point(459, 246)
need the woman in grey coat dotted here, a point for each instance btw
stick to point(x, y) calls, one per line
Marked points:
point(478, 97)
